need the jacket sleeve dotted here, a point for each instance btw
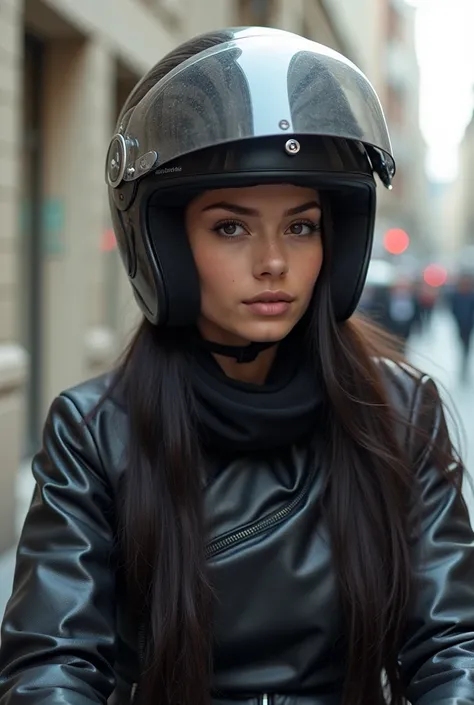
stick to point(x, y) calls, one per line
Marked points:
point(58, 633)
point(437, 658)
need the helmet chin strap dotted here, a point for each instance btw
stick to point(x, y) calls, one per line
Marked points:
point(241, 353)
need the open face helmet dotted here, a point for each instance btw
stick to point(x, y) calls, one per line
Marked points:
point(260, 106)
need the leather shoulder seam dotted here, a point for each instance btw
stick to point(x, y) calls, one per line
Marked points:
point(85, 425)
point(414, 405)
point(432, 432)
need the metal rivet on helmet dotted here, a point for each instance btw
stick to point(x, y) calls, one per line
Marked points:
point(292, 146)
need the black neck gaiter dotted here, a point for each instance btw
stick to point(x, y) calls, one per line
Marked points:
point(238, 416)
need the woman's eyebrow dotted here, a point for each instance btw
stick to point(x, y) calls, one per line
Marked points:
point(244, 210)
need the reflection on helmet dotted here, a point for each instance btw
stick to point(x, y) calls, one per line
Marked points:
point(210, 103)
point(308, 80)
point(248, 88)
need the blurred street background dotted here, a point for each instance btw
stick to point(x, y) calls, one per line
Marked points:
point(66, 311)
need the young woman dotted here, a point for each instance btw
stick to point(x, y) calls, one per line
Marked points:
point(260, 505)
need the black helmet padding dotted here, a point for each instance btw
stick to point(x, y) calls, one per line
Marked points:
point(153, 240)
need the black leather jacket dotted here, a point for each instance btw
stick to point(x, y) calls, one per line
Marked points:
point(68, 637)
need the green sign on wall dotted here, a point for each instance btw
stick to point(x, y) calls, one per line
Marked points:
point(53, 226)
point(53, 217)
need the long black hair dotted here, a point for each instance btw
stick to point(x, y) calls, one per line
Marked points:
point(366, 501)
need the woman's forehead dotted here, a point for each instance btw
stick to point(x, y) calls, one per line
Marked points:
point(257, 193)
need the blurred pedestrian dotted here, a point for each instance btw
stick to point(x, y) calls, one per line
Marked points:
point(403, 311)
point(427, 297)
point(375, 300)
point(462, 307)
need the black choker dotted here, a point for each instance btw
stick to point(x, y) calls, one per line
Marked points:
point(241, 353)
point(242, 416)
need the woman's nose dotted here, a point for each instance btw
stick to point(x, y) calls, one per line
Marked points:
point(271, 261)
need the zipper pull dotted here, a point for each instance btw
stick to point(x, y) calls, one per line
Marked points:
point(265, 700)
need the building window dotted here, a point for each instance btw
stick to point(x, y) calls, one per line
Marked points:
point(306, 30)
point(395, 24)
point(256, 12)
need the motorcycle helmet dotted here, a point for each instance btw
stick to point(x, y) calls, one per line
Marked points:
point(256, 106)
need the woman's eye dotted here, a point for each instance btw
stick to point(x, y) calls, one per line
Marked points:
point(229, 229)
point(303, 228)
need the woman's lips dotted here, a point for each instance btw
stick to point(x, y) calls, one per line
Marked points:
point(270, 303)
point(269, 308)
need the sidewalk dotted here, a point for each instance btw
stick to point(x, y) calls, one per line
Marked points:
point(7, 560)
point(437, 354)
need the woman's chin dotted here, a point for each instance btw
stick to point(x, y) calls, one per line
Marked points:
point(245, 332)
point(267, 332)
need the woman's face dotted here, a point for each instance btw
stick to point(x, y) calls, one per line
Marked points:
point(258, 252)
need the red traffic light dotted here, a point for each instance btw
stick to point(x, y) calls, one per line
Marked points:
point(396, 241)
point(108, 242)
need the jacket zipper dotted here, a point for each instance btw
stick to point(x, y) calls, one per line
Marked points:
point(231, 539)
point(265, 700)
point(220, 544)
